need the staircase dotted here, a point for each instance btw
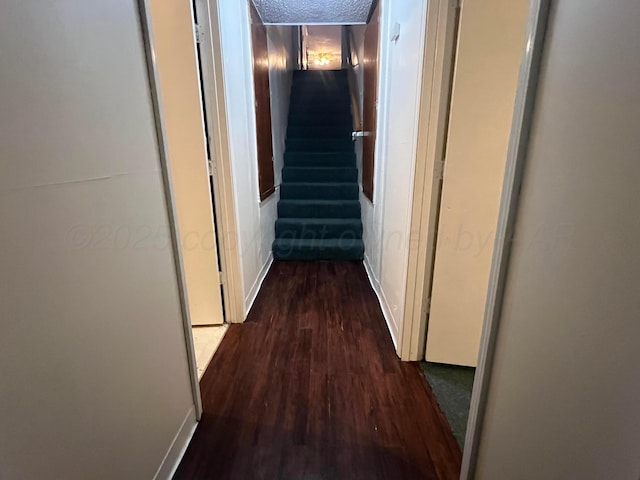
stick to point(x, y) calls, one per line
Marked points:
point(319, 209)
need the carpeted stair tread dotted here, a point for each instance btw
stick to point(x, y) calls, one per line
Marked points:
point(323, 109)
point(320, 159)
point(338, 84)
point(319, 145)
point(320, 190)
point(318, 249)
point(327, 131)
point(299, 99)
point(343, 222)
point(319, 228)
point(319, 209)
point(320, 120)
point(331, 106)
point(319, 214)
point(334, 102)
point(319, 174)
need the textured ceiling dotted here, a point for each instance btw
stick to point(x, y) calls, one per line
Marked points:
point(305, 12)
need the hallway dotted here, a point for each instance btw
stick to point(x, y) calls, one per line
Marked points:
point(310, 387)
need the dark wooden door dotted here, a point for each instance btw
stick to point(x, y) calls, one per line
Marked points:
point(370, 102)
point(262, 105)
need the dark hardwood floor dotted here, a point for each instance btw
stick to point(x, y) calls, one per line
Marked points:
point(310, 387)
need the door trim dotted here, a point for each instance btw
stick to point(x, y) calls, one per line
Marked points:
point(432, 126)
point(215, 113)
point(163, 151)
point(516, 157)
point(430, 148)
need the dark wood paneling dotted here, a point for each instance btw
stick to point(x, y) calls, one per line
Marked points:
point(262, 104)
point(310, 387)
point(370, 102)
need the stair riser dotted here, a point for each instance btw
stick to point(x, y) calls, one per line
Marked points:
point(304, 159)
point(321, 121)
point(319, 163)
point(329, 107)
point(315, 90)
point(320, 86)
point(318, 145)
point(337, 100)
point(319, 73)
point(322, 192)
point(319, 97)
point(321, 111)
point(298, 230)
point(347, 252)
point(308, 100)
point(300, 131)
point(318, 210)
point(315, 175)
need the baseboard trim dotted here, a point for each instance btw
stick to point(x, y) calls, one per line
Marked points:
point(384, 305)
point(248, 303)
point(178, 447)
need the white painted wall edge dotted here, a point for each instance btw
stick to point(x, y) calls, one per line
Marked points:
point(178, 447)
point(525, 97)
point(216, 116)
point(436, 79)
point(253, 293)
point(384, 305)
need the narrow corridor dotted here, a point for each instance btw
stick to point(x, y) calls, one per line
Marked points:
point(310, 387)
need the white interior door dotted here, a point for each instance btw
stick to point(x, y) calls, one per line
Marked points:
point(490, 42)
point(172, 23)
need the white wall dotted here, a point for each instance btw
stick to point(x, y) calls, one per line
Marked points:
point(565, 390)
point(282, 62)
point(93, 366)
point(387, 221)
point(172, 23)
point(256, 220)
point(358, 32)
point(490, 44)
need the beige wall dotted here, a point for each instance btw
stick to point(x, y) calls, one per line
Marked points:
point(564, 395)
point(172, 23)
point(491, 38)
point(94, 380)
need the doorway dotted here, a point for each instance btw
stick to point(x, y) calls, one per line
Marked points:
point(185, 133)
point(473, 79)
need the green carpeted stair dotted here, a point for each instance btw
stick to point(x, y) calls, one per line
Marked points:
point(319, 209)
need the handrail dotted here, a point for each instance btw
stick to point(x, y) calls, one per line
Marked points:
point(353, 84)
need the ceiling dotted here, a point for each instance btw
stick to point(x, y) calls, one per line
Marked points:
point(310, 12)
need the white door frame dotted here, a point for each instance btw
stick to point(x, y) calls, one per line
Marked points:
point(209, 38)
point(432, 127)
point(434, 106)
point(216, 117)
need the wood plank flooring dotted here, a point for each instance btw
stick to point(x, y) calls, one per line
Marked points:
point(310, 387)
